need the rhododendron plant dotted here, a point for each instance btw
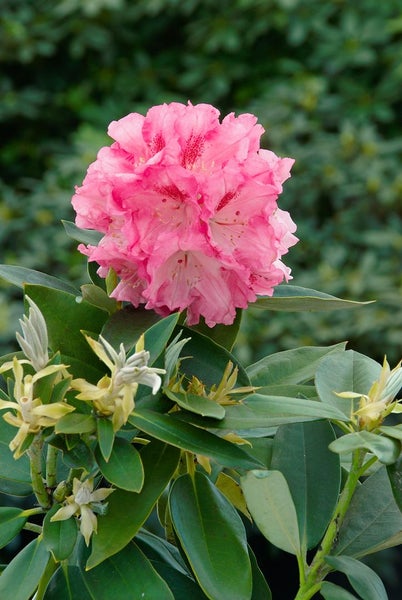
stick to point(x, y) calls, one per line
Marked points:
point(139, 440)
point(187, 206)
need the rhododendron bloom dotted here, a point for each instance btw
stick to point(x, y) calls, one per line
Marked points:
point(187, 206)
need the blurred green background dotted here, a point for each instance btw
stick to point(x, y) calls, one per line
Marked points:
point(323, 77)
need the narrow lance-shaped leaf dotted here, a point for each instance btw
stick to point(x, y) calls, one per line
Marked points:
point(20, 578)
point(363, 579)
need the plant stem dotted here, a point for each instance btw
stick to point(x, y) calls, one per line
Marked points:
point(38, 485)
point(33, 527)
point(51, 459)
point(318, 568)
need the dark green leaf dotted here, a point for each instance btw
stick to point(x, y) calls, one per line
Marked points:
point(106, 436)
point(21, 276)
point(207, 360)
point(271, 505)
point(312, 473)
point(128, 574)
point(124, 467)
point(127, 325)
point(59, 537)
point(260, 586)
point(363, 579)
point(198, 512)
point(97, 296)
point(395, 478)
point(19, 579)
point(65, 318)
point(295, 299)
point(194, 439)
point(12, 520)
point(127, 511)
point(224, 335)
point(15, 478)
point(373, 521)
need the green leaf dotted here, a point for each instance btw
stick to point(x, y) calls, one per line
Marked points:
point(106, 437)
point(93, 294)
point(76, 423)
point(158, 335)
point(159, 549)
point(15, 477)
point(75, 456)
point(260, 586)
point(345, 372)
point(85, 236)
point(20, 578)
point(271, 505)
point(385, 449)
point(127, 511)
point(124, 467)
point(65, 318)
point(290, 366)
point(312, 473)
point(395, 477)
point(373, 521)
point(224, 335)
point(59, 537)
point(197, 404)
point(128, 574)
point(21, 276)
point(330, 591)
point(190, 438)
point(294, 298)
point(207, 360)
point(363, 579)
point(127, 325)
point(199, 511)
point(12, 520)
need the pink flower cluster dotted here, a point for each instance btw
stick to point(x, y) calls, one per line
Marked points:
point(188, 208)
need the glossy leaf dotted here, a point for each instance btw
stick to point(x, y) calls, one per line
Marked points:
point(76, 423)
point(65, 318)
point(271, 505)
point(194, 439)
point(106, 437)
point(197, 404)
point(198, 512)
point(12, 520)
point(260, 586)
point(363, 579)
point(124, 467)
point(158, 335)
point(93, 294)
point(330, 591)
point(294, 298)
point(224, 335)
point(208, 360)
point(20, 276)
point(386, 449)
point(127, 511)
point(20, 578)
point(312, 473)
point(127, 325)
point(59, 537)
point(346, 372)
point(290, 367)
point(15, 478)
point(159, 549)
point(373, 521)
point(128, 574)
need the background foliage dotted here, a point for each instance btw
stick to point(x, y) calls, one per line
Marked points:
point(324, 78)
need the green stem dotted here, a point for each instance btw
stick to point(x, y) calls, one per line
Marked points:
point(44, 580)
point(318, 568)
point(38, 485)
point(33, 527)
point(51, 460)
point(190, 463)
point(29, 512)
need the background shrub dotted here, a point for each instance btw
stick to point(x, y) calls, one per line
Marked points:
point(325, 80)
